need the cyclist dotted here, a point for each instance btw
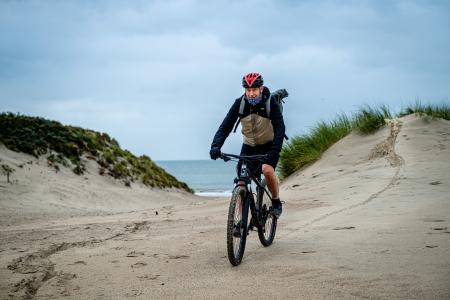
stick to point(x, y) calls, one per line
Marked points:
point(262, 134)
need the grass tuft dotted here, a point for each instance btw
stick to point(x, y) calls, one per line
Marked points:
point(434, 111)
point(305, 149)
point(369, 119)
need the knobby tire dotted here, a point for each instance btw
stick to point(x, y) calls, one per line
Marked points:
point(266, 230)
point(238, 210)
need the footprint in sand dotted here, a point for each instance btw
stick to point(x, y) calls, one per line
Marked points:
point(434, 220)
point(344, 268)
point(309, 251)
point(178, 256)
point(78, 262)
point(133, 293)
point(435, 182)
point(148, 277)
point(135, 254)
point(138, 265)
point(344, 228)
point(439, 228)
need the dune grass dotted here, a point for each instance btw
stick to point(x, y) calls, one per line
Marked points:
point(434, 111)
point(369, 119)
point(303, 150)
point(68, 145)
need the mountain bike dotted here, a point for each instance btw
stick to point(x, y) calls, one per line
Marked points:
point(242, 199)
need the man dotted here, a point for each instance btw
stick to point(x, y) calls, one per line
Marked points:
point(262, 134)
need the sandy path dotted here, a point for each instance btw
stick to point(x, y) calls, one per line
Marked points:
point(369, 220)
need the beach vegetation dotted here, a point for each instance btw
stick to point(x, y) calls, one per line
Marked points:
point(300, 151)
point(71, 146)
point(369, 119)
point(7, 171)
point(434, 111)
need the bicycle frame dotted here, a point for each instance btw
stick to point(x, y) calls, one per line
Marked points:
point(245, 178)
point(242, 199)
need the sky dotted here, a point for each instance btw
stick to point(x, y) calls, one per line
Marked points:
point(160, 76)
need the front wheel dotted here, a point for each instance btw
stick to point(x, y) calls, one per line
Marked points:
point(268, 222)
point(237, 225)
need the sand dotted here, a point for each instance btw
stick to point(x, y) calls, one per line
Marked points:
point(371, 219)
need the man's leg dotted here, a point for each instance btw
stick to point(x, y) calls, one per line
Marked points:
point(272, 184)
point(271, 180)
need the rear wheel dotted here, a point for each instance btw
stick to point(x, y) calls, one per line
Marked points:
point(268, 224)
point(237, 225)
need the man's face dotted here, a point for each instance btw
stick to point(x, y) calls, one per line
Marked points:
point(252, 93)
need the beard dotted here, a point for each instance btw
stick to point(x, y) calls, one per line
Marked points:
point(254, 101)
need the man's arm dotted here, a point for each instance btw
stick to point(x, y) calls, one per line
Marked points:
point(278, 127)
point(227, 125)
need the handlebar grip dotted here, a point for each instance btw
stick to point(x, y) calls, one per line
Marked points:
point(225, 158)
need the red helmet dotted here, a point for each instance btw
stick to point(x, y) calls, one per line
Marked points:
point(252, 80)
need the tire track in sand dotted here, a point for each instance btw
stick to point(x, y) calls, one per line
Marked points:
point(384, 149)
point(42, 269)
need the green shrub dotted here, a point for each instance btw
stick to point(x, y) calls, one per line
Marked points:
point(54, 160)
point(120, 170)
point(109, 157)
point(79, 169)
point(37, 136)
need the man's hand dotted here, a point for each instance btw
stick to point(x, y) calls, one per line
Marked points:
point(215, 153)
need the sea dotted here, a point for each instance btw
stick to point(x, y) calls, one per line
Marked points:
point(211, 178)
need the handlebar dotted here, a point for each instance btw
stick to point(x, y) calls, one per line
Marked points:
point(227, 157)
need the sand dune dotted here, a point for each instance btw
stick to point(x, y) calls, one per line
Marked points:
point(39, 192)
point(369, 220)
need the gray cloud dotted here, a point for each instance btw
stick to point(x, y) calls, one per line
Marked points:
point(160, 75)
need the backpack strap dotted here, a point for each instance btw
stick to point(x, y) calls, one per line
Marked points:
point(268, 106)
point(242, 106)
point(241, 112)
point(268, 109)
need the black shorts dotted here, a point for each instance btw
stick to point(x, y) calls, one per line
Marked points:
point(257, 150)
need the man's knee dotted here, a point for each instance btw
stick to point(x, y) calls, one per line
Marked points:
point(268, 170)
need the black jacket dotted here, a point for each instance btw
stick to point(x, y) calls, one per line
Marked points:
point(233, 115)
